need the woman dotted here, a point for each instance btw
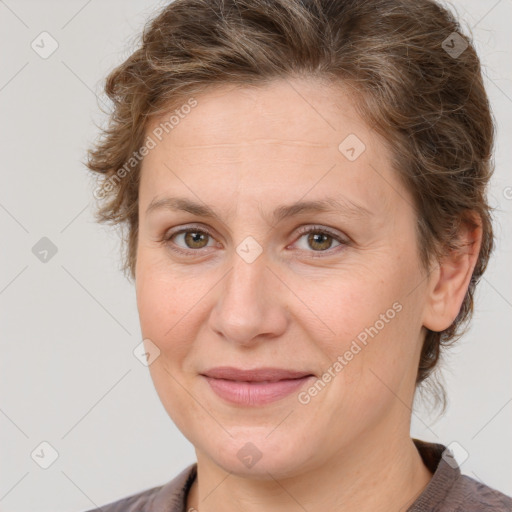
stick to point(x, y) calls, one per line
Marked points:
point(303, 184)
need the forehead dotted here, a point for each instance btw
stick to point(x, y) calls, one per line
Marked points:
point(307, 111)
point(286, 135)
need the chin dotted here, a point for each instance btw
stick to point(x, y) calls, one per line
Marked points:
point(257, 455)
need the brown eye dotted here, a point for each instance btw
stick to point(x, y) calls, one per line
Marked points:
point(188, 240)
point(196, 239)
point(319, 241)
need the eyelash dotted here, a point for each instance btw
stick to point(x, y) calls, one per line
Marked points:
point(302, 231)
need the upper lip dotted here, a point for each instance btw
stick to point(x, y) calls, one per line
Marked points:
point(254, 375)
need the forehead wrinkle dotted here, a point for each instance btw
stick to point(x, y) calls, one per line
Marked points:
point(280, 142)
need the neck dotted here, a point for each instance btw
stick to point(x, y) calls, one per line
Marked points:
point(379, 477)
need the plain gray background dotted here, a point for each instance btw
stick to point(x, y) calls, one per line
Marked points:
point(69, 325)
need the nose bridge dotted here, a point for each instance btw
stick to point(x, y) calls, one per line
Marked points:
point(246, 305)
point(248, 259)
point(244, 286)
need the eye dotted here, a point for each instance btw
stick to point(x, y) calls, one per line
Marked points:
point(319, 239)
point(188, 240)
point(191, 240)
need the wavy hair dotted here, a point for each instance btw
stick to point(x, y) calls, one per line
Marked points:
point(416, 80)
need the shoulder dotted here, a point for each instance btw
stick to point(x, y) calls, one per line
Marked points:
point(475, 496)
point(137, 502)
point(169, 497)
point(451, 491)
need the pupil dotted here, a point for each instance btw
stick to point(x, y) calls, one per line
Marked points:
point(319, 238)
point(193, 237)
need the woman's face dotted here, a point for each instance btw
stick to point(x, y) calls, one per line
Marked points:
point(336, 293)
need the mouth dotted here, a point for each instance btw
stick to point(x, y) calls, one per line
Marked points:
point(254, 387)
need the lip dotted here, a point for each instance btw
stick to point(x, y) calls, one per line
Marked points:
point(254, 387)
point(254, 375)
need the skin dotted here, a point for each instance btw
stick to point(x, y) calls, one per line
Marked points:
point(244, 152)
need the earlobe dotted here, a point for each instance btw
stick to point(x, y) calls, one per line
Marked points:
point(450, 280)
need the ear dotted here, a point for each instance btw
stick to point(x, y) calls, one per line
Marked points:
point(449, 281)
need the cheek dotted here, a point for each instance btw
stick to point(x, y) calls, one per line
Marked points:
point(374, 330)
point(352, 303)
point(173, 308)
point(163, 309)
point(162, 303)
point(156, 311)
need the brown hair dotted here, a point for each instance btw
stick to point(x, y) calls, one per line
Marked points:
point(416, 78)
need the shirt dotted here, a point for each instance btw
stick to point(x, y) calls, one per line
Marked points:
point(447, 491)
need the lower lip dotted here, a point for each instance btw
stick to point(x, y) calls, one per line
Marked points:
point(254, 393)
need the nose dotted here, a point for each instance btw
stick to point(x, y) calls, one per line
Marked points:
point(249, 306)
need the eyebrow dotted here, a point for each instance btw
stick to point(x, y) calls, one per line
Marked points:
point(326, 205)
